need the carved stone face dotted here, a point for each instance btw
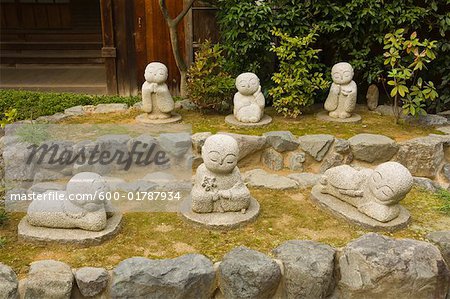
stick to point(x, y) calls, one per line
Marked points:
point(83, 186)
point(390, 182)
point(247, 83)
point(220, 153)
point(342, 73)
point(156, 72)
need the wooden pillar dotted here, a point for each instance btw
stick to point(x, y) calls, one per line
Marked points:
point(109, 49)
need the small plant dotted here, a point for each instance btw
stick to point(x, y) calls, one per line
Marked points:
point(33, 133)
point(3, 216)
point(3, 242)
point(405, 59)
point(298, 79)
point(444, 195)
point(209, 86)
point(9, 117)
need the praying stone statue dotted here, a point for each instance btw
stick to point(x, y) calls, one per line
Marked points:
point(375, 193)
point(218, 184)
point(157, 102)
point(77, 207)
point(341, 100)
point(249, 103)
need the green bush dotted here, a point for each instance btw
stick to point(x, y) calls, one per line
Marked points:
point(298, 80)
point(208, 85)
point(350, 31)
point(31, 105)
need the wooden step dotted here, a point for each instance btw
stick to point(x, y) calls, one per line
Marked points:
point(19, 45)
point(48, 56)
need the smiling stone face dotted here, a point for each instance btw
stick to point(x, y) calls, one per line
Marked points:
point(156, 72)
point(247, 83)
point(390, 182)
point(220, 153)
point(342, 73)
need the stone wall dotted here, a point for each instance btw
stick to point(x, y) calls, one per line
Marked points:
point(372, 266)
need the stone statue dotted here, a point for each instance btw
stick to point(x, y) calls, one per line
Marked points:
point(341, 100)
point(249, 101)
point(376, 193)
point(218, 184)
point(72, 208)
point(156, 98)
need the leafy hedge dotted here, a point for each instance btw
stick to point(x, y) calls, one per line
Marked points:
point(31, 105)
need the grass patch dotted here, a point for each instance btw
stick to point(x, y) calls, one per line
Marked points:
point(444, 195)
point(3, 216)
point(285, 215)
point(305, 124)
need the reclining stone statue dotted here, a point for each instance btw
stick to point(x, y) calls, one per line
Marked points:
point(375, 193)
point(218, 184)
point(77, 207)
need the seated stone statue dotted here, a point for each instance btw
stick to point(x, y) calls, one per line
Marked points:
point(218, 184)
point(156, 98)
point(375, 193)
point(249, 101)
point(68, 209)
point(341, 100)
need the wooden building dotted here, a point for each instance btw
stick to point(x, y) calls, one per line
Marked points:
point(116, 37)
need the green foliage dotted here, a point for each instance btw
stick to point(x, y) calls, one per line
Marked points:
point(444, 195)
point(245, 34)
point(209, 86)
point(3, 242)
point(9, 117)
point(3, 216)
point(33, 133)
point(351, 30)
point(298, 79)
point(31, 105)
point(405, 59)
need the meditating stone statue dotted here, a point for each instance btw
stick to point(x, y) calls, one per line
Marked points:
point(157, 102)
point(73, 208)
point(376, 193)
point(249, 101)
point(218, 184)
point(341, 100)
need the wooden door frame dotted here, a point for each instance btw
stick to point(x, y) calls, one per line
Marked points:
point(118, 49)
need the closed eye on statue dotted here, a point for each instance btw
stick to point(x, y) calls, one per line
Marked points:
point(377, 177)
point(230, 158)
point(347, 73)
point(386, 190)
point(214, 156)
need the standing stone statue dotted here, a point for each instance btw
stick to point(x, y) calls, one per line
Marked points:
point(375, 193)
point(157, 102)
point(218, 184)
point(341, 100)
point(249, 103)
point(373, 95)
point(72, 210)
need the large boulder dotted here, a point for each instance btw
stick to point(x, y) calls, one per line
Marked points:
point(281, 141)
point(248, 144)
point(8, 283)
point(176, 144)
point(376, 266)
point(272, 159)
point(246, 273)
point(308, 269)
point(373, 148)
point(49, 279)
point(422, 156)
point(91, 281)
point(316, 145)
point(259, 178)
point(189, 276)
point(442, 240)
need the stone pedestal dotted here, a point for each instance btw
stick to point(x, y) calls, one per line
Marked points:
point(144, 119)
point(232, 121)
point(355, 118)
point(81, 237)
point(220, 221)
point(346, 211)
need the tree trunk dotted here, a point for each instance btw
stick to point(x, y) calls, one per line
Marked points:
point(183, 84)
point(178, 59)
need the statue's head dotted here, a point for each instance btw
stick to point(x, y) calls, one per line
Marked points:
point(156, 72)
point(220, 153)
point(85, 190)
point(342, 73)
point(247, 83)
point(390, 182)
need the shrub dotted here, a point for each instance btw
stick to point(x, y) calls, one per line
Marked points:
point(406, 58)
point(298, 80)
point(209, 86)
point(31, 105)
